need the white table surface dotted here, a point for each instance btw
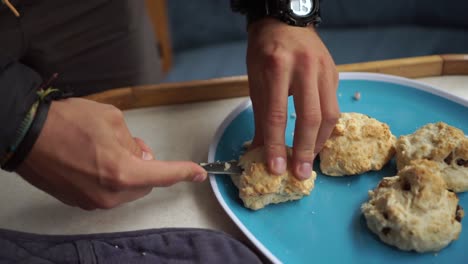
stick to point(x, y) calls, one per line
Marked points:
point(182, 132)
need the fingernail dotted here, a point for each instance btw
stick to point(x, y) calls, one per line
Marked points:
point(199, 178)
point(146, 156)
point(304, 170)
point(279, 165)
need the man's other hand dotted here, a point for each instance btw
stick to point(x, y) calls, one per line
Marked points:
point(85, 156)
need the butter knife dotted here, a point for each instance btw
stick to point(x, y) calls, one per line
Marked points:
point(222, 167)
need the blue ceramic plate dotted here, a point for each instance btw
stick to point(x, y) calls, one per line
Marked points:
point(327, 226)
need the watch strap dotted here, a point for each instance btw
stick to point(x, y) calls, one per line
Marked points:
point(252, 9)
point(257, 9)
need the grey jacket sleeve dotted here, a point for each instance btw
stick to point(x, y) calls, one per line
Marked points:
point(18, 86)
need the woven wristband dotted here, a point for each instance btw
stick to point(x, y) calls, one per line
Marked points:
point(19, 152)
point(30, 138)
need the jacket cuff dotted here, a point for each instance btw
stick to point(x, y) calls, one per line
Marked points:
point(18, 93)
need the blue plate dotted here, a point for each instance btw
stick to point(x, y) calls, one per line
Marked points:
point(327, 226)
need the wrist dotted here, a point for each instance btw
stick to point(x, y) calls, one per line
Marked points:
point(268, 24)
point(30, 129)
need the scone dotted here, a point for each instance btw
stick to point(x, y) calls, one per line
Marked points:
point(414, 210)
point(441, 143)
point(258, 188)
point(357, 144)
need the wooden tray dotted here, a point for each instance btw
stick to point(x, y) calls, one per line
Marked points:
point(222, 88)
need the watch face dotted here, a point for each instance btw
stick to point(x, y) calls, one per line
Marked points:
point(302, 7)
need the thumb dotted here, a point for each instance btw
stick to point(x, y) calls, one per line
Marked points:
point(162, 173)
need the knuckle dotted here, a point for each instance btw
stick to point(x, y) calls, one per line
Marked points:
point(311, 119)
point(112, 178)
point(305, 153)
point(330, 118)
point(275, 59)
point(323, 60)
point(276, 118)
point(324, 63)
point(275, 149)
point(308, 59)
point(115, 115)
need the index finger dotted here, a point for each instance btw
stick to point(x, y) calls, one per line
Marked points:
point(157, 173)
point(307, 105)
point(276, 81)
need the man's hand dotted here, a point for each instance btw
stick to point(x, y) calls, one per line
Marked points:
point(85, 156)
point(284, 60)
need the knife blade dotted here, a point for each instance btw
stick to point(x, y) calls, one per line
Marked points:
point(223, 167)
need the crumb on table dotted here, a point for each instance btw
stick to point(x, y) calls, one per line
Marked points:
point(357, 96)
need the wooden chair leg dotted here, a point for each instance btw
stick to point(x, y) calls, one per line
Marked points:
point(157, 11)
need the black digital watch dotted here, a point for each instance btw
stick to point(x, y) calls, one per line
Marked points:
point(299, 13)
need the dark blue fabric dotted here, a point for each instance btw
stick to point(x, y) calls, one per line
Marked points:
point(347, 45)
point(435, 13)
point(209, 22)
point(209, 40)
point(213, 61)
point(350, 45)
point(145, 246)
point(203, 22)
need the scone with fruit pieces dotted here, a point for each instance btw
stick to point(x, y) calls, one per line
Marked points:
point(414, 210)
point(444, 144)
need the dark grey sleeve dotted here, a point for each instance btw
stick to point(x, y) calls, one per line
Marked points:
point(18, 86)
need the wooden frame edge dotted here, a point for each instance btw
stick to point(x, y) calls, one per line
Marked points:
point(413, 67)
point(230, 87)
point(174, 93)
point(455, 64)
